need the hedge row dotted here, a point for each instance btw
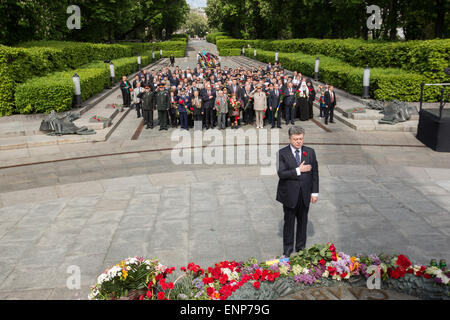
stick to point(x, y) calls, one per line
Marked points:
point(55, 91)
point(429, 56)
point(39, 58)
point(385, 83)
point(211, 38)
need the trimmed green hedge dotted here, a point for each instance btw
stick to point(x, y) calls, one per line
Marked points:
point(230, 52)
point(55, 91)
point(211, 38)
point(39, 58)
point(428, 56)
point(385, 83)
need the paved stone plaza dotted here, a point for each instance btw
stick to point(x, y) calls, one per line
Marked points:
point(93, 204)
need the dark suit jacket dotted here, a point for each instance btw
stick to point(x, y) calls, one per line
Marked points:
point(290, 185)
point(274, 100)
point(239, 92)
point(206, 101)
point(327, 98)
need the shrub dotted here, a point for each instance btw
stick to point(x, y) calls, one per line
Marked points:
point(211, 38)
point(55, 91)
point(385, 83)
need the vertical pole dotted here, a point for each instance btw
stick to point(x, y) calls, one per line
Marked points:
point(422, 85)
point(441, 105)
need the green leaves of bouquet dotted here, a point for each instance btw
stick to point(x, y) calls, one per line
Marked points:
point(307, 258)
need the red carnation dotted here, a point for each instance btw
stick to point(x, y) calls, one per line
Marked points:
point(403, 261)
point(256, 284)
point(149, 294)
point(322, 262)
point(210, 291)
point(427, 276)
point(305, 153)
point(343, 275)
point(161, 295)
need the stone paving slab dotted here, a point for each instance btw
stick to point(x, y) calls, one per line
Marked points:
point(205, 220)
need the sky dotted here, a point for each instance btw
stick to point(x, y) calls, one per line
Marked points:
point(196, 3)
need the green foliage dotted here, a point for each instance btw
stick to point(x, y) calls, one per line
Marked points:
point(55, 91)
point(40, 58)
point(281, 19)
point(104, 20)
point(311, 256)
point(211, 38)
point(385, 83)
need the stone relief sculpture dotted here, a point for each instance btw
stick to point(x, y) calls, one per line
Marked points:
point(56, 125)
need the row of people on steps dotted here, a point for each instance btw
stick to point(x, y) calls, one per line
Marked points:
point(225, 97)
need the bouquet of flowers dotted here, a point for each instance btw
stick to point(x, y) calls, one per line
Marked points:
point(278, 106)
point(299, 94)
point(132, 279)
point(248, 103)
point(235, 104)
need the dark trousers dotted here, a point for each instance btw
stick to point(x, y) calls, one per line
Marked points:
point(209, 117)
point(148, 117)
point(290, 113)
point(184, 120)
point(138, 109)
point(126, 97)
point(290, 214)
point(248, 115)
point(173, 117)
point(277, 119)
point(329, 112)
point(162, 116)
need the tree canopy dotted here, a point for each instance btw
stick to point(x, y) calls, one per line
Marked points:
point(101, 20)
point(278, 19)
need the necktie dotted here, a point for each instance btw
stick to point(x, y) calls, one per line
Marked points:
point(297, 157)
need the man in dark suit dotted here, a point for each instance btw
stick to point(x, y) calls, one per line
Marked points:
point(289, 103)
point(235, 88)
point(297, 188)
point(208, 96)
point(330, 104)
point(274, 101)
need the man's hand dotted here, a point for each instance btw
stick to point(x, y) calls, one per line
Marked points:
point(313, 199)
point(304, 168)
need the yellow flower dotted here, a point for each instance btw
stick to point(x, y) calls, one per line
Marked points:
point(124, 273)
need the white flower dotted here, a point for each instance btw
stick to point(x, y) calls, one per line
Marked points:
point(297, 269)
point(325, 274)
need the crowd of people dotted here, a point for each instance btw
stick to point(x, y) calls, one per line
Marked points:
point(225, 97)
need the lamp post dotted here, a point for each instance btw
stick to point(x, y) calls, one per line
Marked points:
point(366, 82)
point(139, 63)
point(254, 53)
point(112, 72)
point(276, 56)
point(77, 91)
point(153, 55)
point(316, 69)
point(160, 53)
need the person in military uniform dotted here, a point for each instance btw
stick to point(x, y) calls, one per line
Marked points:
point(162, 100)
point(148, 102)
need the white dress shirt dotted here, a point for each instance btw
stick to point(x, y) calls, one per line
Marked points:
point(298, 169)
